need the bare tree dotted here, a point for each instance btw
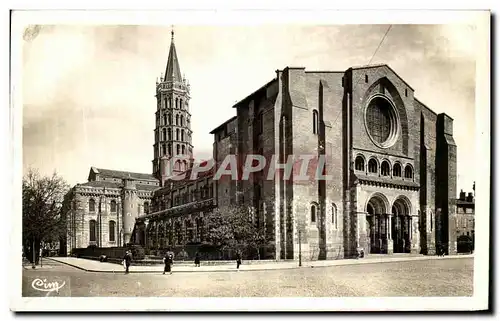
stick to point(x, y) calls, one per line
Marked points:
point(42, 204)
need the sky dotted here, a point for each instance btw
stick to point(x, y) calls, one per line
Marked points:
point(88, 91)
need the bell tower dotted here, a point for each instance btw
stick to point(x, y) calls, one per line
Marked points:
point(173, 135)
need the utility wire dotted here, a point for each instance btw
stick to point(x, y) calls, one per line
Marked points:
point(369, 62)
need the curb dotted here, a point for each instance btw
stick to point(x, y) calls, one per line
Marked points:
point(354, 262)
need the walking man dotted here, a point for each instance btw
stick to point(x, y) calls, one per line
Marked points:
point(127, 259)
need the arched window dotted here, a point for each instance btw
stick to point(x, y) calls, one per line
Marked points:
point(91, 205)
point(177, 120)
point(408, 172)
point(178, 149)
point(183, 150)
point(176, 102)
point(334, 216)
point(92, 231)
point(182, 120)
point(372, 166)
point(164, 119)
point(313, 213)
point(385, 169)
point(163, 150)
point(177, 134)
point(169, 150)
point(315, 122)
point(169, 133)
point(182, 134)
point(113, 206)
point(180, 105)
point(396, 170)
point(164, 134)
point(170, 102)
point(146, 208)
point(112, 229)
point(359, 164)
point(170, 119)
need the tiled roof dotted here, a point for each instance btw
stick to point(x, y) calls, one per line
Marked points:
point(123, 174)
point(100, 184)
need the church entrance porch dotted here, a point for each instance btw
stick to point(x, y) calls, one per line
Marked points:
point(387, 231)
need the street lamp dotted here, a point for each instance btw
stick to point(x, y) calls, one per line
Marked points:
point(300, 249)
point(146, 222)
point(33, 266)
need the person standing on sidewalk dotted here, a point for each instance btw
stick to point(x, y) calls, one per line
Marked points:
point(197, 260)
point(127, 259)
point(238, 260)
point(168, 260)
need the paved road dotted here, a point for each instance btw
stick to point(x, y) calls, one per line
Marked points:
point(451, 277)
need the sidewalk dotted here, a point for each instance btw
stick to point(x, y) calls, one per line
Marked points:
point(104, 267)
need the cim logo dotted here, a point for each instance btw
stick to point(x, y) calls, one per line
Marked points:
point(42, 285)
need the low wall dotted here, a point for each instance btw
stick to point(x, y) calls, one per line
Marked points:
point(110, 252)
point(181, 253)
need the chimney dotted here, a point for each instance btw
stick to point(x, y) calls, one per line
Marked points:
point(462, 195)
point(470, 198)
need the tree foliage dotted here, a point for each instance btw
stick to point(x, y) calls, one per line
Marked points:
point(42, 198)
point(233, 227)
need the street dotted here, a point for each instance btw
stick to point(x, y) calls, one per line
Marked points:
point(450, 277)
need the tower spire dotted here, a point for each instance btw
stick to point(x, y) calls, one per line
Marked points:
point(173, 71)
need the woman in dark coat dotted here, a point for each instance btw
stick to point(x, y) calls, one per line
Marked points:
point(197, 260)
point(167, 260)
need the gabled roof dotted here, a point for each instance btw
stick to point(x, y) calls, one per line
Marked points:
point(223, 124)
point(244, 100)
point(121, 174)
point(172, 71)
point(382, 65)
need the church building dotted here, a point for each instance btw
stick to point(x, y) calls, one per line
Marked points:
point(390, 159)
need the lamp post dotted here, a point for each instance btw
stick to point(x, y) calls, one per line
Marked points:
point(33, 266)
point(146, 222)
point(300, 249)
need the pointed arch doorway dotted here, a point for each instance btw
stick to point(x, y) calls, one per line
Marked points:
point(377, 218)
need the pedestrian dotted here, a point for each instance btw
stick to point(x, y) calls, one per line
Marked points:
point(197, 260)
point(166, 263)
point(168, 260)
point(238, 260)
point(127, 259)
